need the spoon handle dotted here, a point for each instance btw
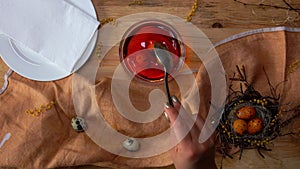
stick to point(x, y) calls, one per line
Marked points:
point(167, 89)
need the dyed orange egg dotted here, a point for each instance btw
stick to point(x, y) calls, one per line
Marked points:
point(255, 125)
point(240, 126)
point(246, 113)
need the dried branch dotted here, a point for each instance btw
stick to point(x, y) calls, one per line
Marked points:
point(242, 76)
point(272, 89)
point(289, 6)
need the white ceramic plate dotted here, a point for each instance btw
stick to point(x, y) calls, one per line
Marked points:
point(36, 68)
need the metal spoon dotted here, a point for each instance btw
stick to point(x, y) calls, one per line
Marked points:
point(164, 57)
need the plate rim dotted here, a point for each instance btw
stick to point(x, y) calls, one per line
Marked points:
point(18, 64)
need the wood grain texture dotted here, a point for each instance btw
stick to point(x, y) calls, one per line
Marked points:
point(235, 18)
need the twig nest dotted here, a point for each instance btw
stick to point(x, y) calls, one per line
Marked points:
point(131, 144)
point(246, 113)
point(240, 126)
point(79, 124)
point(255, 126)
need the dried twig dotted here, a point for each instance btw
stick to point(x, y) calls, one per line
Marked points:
point(289, 6)
point(272, 89)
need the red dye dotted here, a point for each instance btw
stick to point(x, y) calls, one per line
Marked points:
point(139, 55)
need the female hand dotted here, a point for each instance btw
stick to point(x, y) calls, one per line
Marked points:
point(189, 153)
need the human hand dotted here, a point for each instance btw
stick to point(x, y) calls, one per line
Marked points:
point(189, 153)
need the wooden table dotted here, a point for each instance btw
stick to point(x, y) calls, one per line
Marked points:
point(235, 17)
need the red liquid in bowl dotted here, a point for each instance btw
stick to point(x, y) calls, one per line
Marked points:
point(138, 54)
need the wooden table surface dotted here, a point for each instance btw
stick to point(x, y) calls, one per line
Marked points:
point(235, 17)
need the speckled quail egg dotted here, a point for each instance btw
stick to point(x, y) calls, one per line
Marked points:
point(246, 113)
point(240, 126)
point(255, 126)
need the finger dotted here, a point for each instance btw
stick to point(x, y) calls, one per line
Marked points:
point(199, 121)
point(195, 133)
point(172, 113)
point(176, 103)
point(193, 124)
point(207, 132)
point(180, 131)
point(199, 128)
point(183, 115)
point(178, 112)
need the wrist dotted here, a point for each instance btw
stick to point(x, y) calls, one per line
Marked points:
point(203, 164)
point(207, 163)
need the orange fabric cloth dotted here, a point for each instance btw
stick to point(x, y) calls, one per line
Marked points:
point(48, 140)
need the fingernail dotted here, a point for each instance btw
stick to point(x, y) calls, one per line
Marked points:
point(167, 117)
point(167, 105)
point(175, 99)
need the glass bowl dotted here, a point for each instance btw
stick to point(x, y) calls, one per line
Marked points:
point(137, 54)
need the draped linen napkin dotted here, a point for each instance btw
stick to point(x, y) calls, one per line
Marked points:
point(56, 30)
point(48, 140)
